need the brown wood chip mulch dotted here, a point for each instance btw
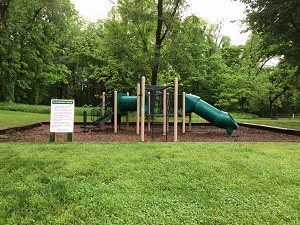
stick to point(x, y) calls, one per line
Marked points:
point(201, 133)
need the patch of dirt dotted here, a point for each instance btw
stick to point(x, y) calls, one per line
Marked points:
point(106, 134)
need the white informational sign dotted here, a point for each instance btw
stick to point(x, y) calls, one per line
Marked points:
point(62, 116)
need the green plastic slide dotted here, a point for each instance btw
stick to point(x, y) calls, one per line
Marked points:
point(208, 112)
point(128, 103)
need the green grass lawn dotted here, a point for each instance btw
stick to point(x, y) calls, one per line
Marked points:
point(15, 118)
point(150, 183)
point(282, 122)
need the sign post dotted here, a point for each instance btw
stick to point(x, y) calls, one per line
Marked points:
point(62, 118)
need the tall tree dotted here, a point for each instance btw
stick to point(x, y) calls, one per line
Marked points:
point(128, 38)
point(149, 24)
point(30, 35)
point(186, 51)
point(281, 80)
point(278, 23)
point(166, 16)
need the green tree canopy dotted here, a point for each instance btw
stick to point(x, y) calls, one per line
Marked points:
point(31, 37)
point(278, 23)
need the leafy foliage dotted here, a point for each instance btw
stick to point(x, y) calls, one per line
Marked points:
point(277, 22)
point(48, 51)
point(31, 32)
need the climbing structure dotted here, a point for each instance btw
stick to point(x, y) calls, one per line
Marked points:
point(157, 101)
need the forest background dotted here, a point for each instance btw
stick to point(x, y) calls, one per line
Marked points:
point(48, 51)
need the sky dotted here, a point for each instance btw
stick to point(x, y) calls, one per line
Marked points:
point(212, 10)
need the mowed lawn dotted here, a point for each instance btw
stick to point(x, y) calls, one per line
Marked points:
point(150, 183)
point(16, 118)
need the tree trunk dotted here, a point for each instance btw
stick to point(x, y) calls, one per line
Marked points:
point(158, 42)
point(9, 88)
point(271, 108)
point(242, 102)
point(3, 9)
point(159, 38)
point(272, 100)
point(155, 65)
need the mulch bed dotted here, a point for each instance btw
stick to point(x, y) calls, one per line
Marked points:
point(202, 133)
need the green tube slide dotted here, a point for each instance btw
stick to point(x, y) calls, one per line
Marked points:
point(208, 112)
point(128, 104)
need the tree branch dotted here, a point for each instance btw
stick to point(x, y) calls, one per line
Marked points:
point(36, 14)
point(159, 21)
point(169, 25)
point(278, 95)
point(145, 47)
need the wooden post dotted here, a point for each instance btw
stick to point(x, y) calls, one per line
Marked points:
point(165, 112)
point(70, 137)
point(115, 111)
point(143, 111)
point(183, 112)
point(52, 137)
point(175, 109)
point(103, 103)
point(138, 108)
point(190, 121)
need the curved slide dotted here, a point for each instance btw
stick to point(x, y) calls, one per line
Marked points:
point(208, 112)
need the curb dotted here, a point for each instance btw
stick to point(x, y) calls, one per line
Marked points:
point(271, 128)
point(9, 130)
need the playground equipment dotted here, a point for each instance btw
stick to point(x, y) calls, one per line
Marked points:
point(147, 105)
point(208, 112)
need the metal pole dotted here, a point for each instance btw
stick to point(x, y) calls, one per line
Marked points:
point(165, 112)
point(115, 111)
point(84, 120)
point(168, 121)
point(190, 121)
point(127, 116)
point(149, 117)
point(183, 112)
point(143, 111)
